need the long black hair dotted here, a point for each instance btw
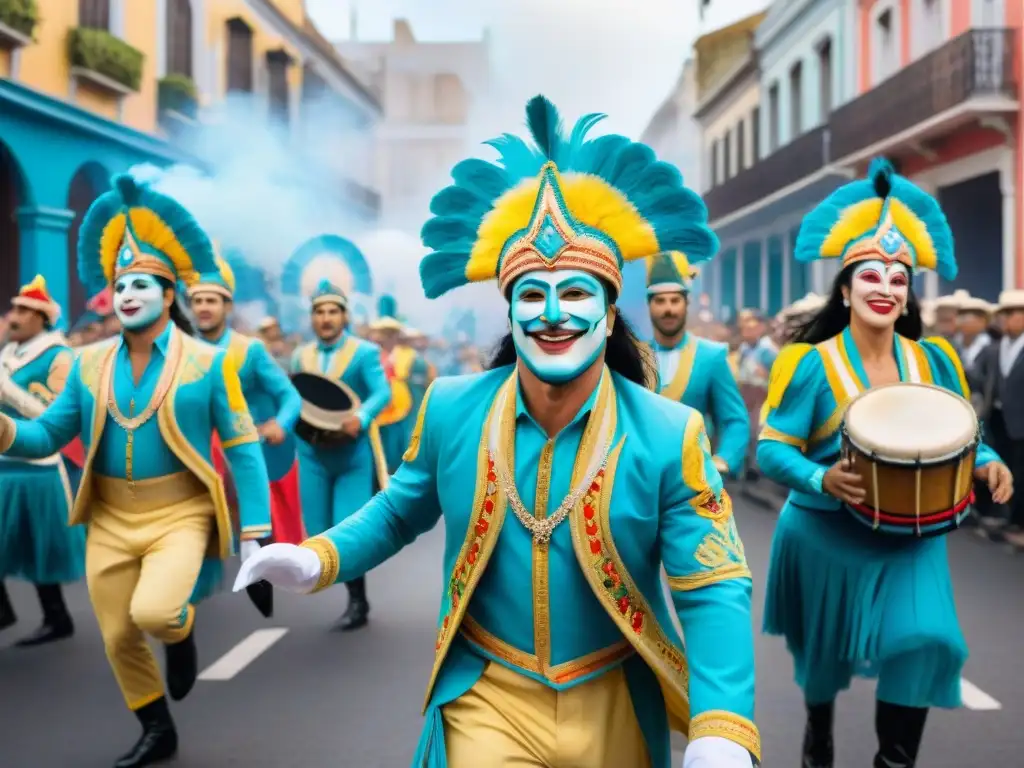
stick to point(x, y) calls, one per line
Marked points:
point(178, 314)
point(832, 319)
point(623, 353)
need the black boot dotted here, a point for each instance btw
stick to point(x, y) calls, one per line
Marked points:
point(182, 666)
point(899, 732)
point(159, 740)
point(357, 614)
point(818, 750)
point(7, 615)
point(57, 624)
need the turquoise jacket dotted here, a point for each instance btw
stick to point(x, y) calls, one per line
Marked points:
point(696, 373)
point(269, 393)
point(658, 501)
point(37, 371)
point(194, 389)
point(807, 397)
point(356, 364)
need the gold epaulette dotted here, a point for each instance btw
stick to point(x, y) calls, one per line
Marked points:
point(783, 369)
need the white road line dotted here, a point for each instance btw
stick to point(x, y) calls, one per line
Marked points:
point(976, 699)
point(242, 655)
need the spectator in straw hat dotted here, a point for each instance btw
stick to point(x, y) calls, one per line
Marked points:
point(947, 309)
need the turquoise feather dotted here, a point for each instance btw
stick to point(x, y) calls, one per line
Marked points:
point(387, 306)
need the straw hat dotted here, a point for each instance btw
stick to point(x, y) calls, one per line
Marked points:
point(1008, 300)
point(951, 301)
point(975, 304)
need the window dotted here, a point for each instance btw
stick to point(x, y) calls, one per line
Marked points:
point(741, 146)
point(727, 156)
point(825, 79)
point(755, 135)
point(886, 41)
point(278, 96)
point(991, 14)
point(239, 56)
point(94, 14)
point(714, 165)
point(179, 37)
point(773, 118)
point(928, 29)
point(796, 99)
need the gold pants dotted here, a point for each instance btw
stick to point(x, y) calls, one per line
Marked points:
point(143, 555)
point(508, 720)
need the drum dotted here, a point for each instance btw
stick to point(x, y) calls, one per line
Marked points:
point(326, 404)
point(914, 447)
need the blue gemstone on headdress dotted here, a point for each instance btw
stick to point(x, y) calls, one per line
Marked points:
point(891, 241)
point(126, 256)
point(549, 240)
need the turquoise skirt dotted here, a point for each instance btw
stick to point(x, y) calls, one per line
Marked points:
point(854, 602)
point(36, 542)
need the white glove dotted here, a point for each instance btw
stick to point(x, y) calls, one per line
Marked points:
point(292, 568)
point(248, 548)
point(716, 752)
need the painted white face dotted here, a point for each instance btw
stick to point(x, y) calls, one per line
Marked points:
point(879, 291)
point(560, 322)
point(138, 301)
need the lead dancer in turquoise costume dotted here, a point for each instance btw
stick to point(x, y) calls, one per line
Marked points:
point(36, 542)
point(849, 600)
point(555, 645)
point(153, 502)
point(336, 480)
point(692, 370)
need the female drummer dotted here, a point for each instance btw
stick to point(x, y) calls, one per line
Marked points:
point(850, 600)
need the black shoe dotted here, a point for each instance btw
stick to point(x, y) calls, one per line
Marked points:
point(57, 624)
point(357, 615)
point(818, 751)
point(899, 732)
point(159, 740)
point(8, 617)
point(182, 666)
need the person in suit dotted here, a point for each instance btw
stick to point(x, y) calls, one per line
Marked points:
point(974, 316)
point(1001, 370)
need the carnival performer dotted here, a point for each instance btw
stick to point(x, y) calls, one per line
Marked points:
point(36, 542)
point(848, 599)
point(582, 667)
point(692, 370)
point(273, 401)
point(146, 404)
point(397, 360)
point(335, 481)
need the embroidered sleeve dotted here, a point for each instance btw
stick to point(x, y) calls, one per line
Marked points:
point(57, 426)
point(730, 417)
point(60, 369)
point(276, 383)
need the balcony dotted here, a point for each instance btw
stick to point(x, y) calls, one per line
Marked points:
point(970, 75)
point(798, 159)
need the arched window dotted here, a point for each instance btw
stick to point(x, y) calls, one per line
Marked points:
point(279, 94)
point(94, 14)
point(10, 244)
point(239, 56)
point(179, 37)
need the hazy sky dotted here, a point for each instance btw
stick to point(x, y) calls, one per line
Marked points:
point(621, 57)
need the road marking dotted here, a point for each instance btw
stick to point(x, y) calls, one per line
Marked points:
point(242, 655)
point(975, 698)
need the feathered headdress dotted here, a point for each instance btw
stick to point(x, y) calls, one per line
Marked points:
point(387, 315)
point(883, 217)
point(328, 293)
point(564, 203)
point(221, 281)
point(670, 272)
point(37, 296)
point(134, 229)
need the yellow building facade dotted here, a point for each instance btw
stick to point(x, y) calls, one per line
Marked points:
point(90, 88)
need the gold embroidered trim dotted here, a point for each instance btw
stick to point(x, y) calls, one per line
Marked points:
point(721, 548)
point(560, 674)
point(681, 379)
point(694, 581)
point(256, 532)
point(163, 386)
point(541, 550)
point(8, 431)
point(770, 433)
point(330, 561)
point(718, 722)
point(417, 431)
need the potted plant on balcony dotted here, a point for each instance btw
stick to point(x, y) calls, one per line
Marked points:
point(18, 19)
point(177, 93)
point(105, 60)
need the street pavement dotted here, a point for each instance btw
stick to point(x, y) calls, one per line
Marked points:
point(287, 692)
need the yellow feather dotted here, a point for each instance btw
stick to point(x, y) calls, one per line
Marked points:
point(227, 273)
point(916, 233)
point(110, 244)
point(782, 374)
point(854, 222)
point(154, 231)
point(947, 349)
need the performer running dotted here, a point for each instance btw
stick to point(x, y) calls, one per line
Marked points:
point(692, 370)
point(36, 542)
point(850, 600)
point(581, 666)
point(272, 399)
point(336, 480)
point(146, 404)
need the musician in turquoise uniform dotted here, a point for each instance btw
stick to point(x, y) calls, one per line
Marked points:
point(273, 401)
point(851, 600)
point(336, 480)
point(36, 542)
point(146, 404)
point(565, 484)
point(398, 360)
point(692, 370)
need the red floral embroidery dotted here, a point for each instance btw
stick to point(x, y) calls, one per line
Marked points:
point(482, 524)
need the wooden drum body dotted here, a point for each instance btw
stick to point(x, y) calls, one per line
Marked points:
point(914, 447)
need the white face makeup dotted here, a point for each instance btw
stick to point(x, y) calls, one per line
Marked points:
point(138, 301)
point(879, 291)
point(559, 322)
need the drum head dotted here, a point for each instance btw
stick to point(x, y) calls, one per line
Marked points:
point(319, 391)
point(907, 422)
